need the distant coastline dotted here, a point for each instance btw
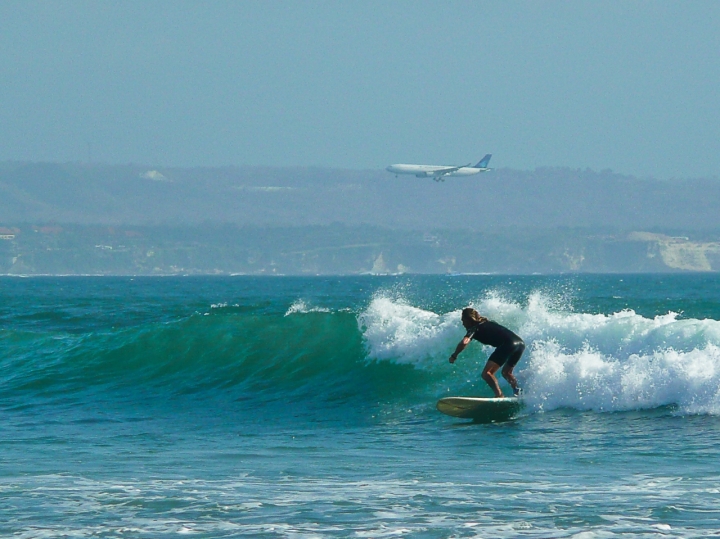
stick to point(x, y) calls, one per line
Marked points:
point(343, 250)
point(83, 219)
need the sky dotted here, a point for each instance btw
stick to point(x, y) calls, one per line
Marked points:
point(630, 86)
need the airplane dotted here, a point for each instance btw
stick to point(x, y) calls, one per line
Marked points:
point(438, 172)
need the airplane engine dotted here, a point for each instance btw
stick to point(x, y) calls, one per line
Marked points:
point(422, 175)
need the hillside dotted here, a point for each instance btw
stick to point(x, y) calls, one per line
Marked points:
point(546, 198)
point(92, 219)
point(341, 249)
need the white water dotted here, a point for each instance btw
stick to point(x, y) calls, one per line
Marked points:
point(301, 307)
point(604, 362)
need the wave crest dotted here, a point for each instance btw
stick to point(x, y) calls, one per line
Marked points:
point(301, 307)
point(605, 362)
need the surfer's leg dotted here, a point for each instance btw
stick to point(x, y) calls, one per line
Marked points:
point(515, 355)
point(488, 374)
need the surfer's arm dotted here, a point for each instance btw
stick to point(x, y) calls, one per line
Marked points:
point(460, 347)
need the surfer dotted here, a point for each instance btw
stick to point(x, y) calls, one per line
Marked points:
point(508, 348)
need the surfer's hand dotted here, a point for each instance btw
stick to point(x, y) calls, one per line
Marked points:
point(453, 358)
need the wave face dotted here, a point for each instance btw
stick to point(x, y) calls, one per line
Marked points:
point(224, 351)
point(368, 342)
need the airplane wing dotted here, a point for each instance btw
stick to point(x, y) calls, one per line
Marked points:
point(448, 170)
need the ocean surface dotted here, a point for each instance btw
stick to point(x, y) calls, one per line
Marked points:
point(305, 407)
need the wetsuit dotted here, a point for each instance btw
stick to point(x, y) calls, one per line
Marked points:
point(508, 346)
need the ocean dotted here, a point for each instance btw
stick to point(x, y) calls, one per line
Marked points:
point(304, 407)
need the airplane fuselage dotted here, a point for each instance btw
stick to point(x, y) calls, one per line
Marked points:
point(430, 171)
point(439, 172)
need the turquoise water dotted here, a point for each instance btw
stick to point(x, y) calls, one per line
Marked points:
point(305, 407)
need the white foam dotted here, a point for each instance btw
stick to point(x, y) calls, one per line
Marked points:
point(72, 506)
point(299, 306)
point(605, 362)
point(223, 305)
point(394, 330)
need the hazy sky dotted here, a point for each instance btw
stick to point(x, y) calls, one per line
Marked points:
point(633, 86)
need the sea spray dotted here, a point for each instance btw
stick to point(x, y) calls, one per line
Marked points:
point(300, 306)
point(604, 362)
point(394, 330)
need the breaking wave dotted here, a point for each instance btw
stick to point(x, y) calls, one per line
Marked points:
point(604, 362)
point(387, 351)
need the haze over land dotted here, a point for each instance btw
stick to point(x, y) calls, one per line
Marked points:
point(80, 218)
point(266, 127)
point(264, 196)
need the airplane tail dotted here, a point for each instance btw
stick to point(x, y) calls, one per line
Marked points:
point(484, 162)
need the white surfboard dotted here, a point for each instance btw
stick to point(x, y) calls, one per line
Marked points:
point(480, 408)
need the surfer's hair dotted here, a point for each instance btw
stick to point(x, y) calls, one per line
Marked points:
point(471, 315)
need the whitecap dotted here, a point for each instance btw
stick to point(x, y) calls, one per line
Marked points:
point(588, 361)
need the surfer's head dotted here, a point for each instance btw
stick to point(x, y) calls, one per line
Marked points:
point(470, 317)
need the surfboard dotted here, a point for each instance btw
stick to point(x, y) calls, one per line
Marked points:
point(485, 409)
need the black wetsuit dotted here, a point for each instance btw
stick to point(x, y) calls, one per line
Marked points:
point(508, 346)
